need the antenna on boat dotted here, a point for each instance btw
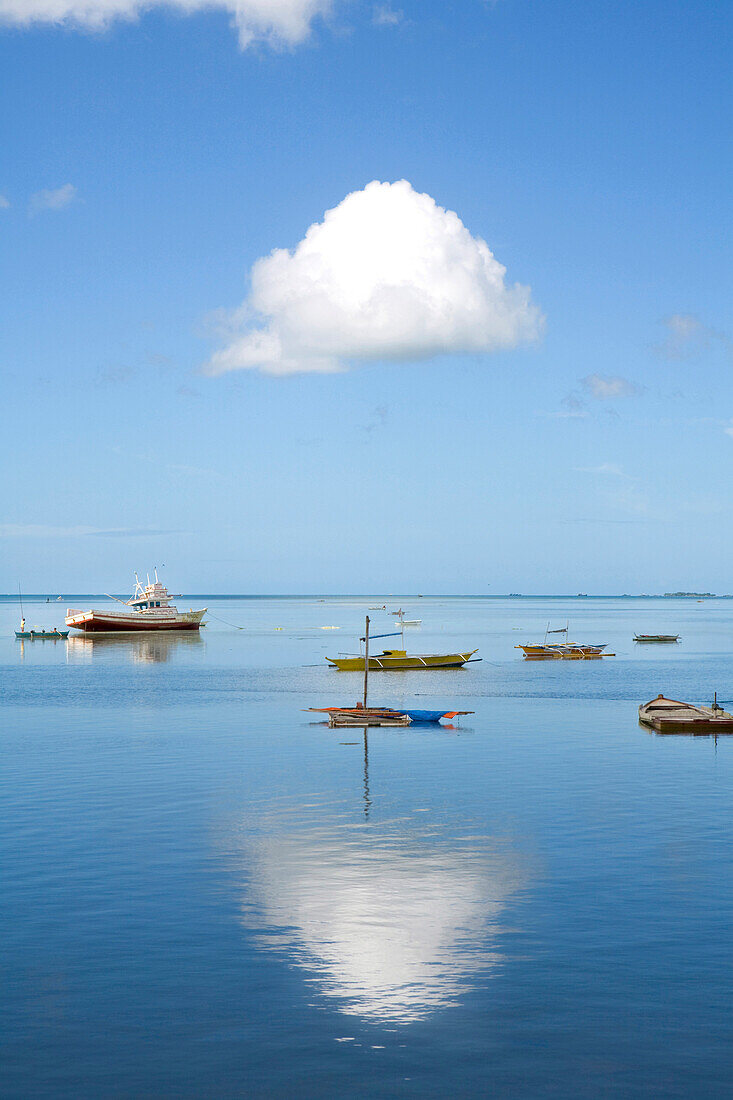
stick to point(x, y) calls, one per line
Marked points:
point(366, 661)
point(21, 601)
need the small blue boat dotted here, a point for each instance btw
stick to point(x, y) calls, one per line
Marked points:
point(426, 716)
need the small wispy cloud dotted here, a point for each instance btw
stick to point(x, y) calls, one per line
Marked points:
point(630, 500)
point(565, 414)
point(181, 469)
point(577, 404)
point(378, 419)
point(114, 374)
point(135, 532)
point(47, 531)
point(385, 16)
point(611, 469)
point(192, 471)
point(162, 361)
point(602, 387)
point(573, 408)
point(55, 199)
point(683, 332)
point(687, 337)
point(4, 203)
point(606, 519)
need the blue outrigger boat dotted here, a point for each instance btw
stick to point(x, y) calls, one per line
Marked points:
point(33, 634)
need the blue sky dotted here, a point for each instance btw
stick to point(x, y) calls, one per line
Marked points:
point(148, 165)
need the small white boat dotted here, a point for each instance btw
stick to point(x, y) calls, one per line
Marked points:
point(406, 622)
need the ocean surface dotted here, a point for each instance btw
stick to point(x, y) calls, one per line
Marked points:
point(208, 893)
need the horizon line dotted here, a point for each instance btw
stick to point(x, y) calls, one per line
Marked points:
point(403, 595)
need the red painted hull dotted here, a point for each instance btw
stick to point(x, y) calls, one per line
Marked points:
point(100, 626)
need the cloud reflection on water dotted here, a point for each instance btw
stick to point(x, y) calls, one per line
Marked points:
point(395, 922)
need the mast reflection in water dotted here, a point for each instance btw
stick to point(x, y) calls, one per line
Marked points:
point(394, 921)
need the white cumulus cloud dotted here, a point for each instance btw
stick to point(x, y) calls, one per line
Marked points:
point(53, 200)
point(277, 22)
point(387, 274)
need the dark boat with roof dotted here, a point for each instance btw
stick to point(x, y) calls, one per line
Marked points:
point(673, 716)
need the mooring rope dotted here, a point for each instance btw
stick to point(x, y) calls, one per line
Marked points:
point(226, 623)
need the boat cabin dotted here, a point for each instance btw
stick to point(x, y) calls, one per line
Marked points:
point(151, 596)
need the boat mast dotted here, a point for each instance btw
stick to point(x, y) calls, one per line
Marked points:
point(366, 661)
point(21, 602)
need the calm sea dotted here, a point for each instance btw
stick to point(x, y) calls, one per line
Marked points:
point(205, 893)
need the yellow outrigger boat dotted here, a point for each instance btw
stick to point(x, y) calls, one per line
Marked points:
point(397, 659)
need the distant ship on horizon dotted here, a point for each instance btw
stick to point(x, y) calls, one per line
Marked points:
point(149, 608)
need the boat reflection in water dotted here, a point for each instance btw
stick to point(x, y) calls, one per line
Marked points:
point(394, 922)
point(143, 647)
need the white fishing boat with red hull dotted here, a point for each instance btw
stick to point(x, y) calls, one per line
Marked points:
point(148, 609)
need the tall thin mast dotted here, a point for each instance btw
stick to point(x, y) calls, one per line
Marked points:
point(366, 660)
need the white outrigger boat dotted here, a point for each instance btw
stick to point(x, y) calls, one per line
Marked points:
point(148, 609)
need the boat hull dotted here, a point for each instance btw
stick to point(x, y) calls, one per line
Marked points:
point(563, 652)
point(424, 717)
point(42, 634)
point(386, 663)
point(672, 716)
point(102, 622)
point(366, 717)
